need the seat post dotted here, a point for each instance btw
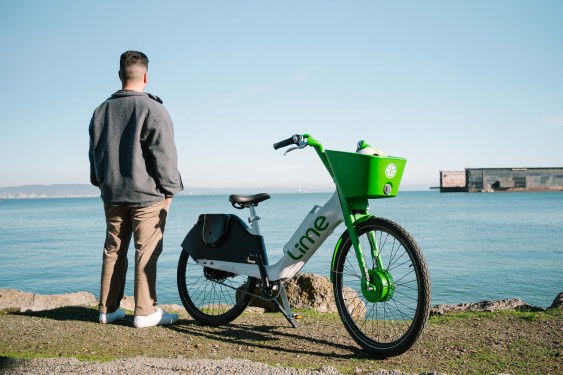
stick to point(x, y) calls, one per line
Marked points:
point(253, 220)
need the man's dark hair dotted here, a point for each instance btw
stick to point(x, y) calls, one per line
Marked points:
point(129, 65)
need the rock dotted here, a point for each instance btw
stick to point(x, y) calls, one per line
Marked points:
point(308, 290)
point(15, 300)
point(485, 306)
point(557, 302)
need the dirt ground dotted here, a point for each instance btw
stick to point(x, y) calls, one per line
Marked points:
point(502, 342)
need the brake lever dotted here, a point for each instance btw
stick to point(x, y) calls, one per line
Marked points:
point(301, 145)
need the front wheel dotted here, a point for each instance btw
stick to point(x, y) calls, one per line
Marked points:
point(385, 320)
point(210, 296)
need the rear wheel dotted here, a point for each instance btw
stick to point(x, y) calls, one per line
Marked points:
point(387, 318)
point(211, 296)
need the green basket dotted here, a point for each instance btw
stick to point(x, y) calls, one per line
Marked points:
point(366, 176)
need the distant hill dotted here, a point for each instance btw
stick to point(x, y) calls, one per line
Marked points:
point(49, 191)
point(85, 190)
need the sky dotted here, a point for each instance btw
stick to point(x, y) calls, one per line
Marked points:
point(446, 84)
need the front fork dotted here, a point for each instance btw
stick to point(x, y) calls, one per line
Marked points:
point(377, 283)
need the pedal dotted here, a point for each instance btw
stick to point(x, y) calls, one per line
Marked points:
point(297, 316)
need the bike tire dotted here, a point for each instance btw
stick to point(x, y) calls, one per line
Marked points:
point(212, 297)
point(390, 327)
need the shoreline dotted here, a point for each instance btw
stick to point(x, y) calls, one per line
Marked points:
point(15, 300)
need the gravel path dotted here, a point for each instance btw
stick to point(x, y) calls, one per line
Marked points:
point(151, 366)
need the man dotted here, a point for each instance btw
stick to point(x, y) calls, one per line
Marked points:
point(133, 161)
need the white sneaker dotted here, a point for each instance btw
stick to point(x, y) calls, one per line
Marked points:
point(110, 317)
point(159, 318)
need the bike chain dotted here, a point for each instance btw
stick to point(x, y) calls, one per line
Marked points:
point(275, 295)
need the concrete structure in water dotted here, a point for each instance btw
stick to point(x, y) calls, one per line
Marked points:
point(502, 179)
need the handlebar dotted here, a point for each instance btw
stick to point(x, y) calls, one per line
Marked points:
point(301, 141)
point(293, 140)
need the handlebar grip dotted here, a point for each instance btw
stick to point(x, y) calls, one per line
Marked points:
point(290, 141)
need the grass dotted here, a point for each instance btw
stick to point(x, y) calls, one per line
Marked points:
point(508, 341)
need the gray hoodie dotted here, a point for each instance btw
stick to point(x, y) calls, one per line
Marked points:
point(133, 158)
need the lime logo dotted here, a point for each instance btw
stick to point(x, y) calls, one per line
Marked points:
point(391, 170)
point(309, 238)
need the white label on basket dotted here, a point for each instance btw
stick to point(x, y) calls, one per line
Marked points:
point(391, 170)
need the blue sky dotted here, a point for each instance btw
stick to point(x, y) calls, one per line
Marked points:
point(446, 84)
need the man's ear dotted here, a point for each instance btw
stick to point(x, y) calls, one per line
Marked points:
point(145, 78)
point(119, 74)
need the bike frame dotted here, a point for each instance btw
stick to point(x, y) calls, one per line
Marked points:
point(319, 223)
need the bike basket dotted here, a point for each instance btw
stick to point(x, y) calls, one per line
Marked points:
point(366, 176)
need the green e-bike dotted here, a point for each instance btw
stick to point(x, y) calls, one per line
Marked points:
point(380, 278)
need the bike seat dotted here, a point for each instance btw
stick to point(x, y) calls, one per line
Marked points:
point(243, 201)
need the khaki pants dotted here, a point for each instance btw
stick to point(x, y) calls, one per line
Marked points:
point(146, 225)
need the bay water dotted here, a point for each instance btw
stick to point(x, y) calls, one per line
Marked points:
point(478, 246)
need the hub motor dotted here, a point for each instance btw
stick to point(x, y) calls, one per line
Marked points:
point(380, 287)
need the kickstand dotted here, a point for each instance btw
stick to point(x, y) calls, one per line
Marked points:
point(285, 309)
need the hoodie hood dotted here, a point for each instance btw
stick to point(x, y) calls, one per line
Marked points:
point(125, 93)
